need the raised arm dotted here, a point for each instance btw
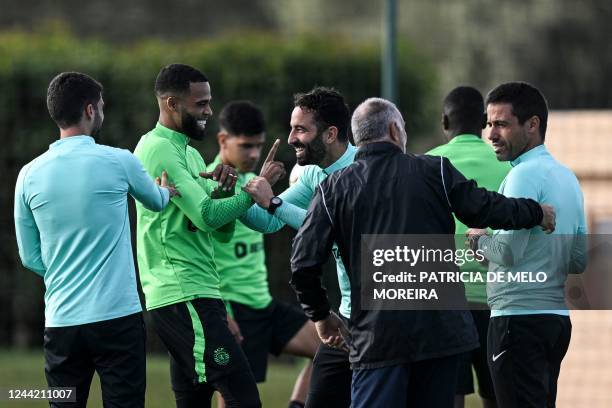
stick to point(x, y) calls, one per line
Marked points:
point(205, 213)
point(507, 246)
point(224, 233)
point(140, 185)
point(479, 208)
point(292, 212)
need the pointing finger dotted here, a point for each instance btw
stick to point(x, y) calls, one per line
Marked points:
point(164, 178)
point(217, 172)
point(272, 151)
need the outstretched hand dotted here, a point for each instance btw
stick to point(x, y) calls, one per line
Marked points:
point(473, 234)
point(224, 174)
point(260, 190)
point(549, 220)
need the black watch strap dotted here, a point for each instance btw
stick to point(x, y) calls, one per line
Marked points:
point(275, 202)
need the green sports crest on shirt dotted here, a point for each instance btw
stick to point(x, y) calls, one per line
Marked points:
point(221, 356)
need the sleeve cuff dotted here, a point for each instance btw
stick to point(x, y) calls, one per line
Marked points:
point(321, 315)
point(246, 197)
point(540, 213)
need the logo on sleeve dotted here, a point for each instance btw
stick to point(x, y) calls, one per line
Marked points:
point(221, 356)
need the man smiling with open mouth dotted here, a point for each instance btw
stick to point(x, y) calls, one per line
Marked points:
point(175, 248)
point(306, 138)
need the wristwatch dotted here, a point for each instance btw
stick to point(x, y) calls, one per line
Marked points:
point(275, 202)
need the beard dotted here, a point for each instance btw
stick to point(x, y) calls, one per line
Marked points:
point(97, 125)
point(193, 128)
point(314, 151)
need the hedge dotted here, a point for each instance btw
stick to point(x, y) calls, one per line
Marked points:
point(261, 67)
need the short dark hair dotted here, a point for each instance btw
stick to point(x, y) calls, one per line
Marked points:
point(464, 107)
point(242, 118)
point(329, 109)
point(526, 101)
point(68, 95)
point(176, 78)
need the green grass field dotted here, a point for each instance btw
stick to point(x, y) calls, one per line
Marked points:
point(26, 370)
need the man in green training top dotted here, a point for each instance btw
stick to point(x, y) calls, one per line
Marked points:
point(265, 325)
point(175, 248)
point(463, 119)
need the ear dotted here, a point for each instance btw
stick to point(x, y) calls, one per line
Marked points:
point(394, 132)
point(445, 122)
point(172, 103)
point(90, 111)
point(222, 137)
point(330, 135)
point(533, 124)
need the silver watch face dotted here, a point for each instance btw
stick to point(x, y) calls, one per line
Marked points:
point(275, 201)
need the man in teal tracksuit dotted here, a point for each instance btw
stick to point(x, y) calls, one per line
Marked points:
point(73, 230)
point(530, 328)
point(320, 135)
point(463, 119)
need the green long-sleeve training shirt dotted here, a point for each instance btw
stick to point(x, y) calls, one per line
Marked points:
point(175, 248)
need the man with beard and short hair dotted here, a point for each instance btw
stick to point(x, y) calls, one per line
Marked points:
point(320, 136)
point(72, 227)
point(175, 248)
point(265, 325)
